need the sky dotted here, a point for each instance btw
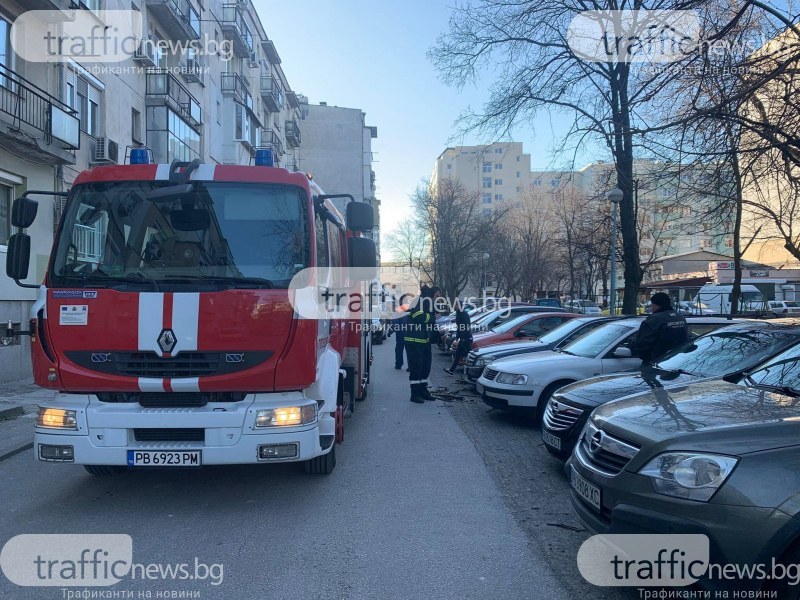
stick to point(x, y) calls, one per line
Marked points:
point(371, 55)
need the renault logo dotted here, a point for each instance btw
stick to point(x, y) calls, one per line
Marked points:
point(166, 340)
point(596, 442)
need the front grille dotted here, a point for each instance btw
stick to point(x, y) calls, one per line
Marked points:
point(169, 435)
point(559, 416)
point(471, 358)
point(184, 364)
point(604, 452)
point(170, 399)
point(490, 374)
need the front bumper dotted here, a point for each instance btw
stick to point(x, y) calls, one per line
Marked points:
point(107, 431)
point(498, 395)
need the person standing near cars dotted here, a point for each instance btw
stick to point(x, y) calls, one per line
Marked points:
point(663, 330)
point(463, 336)
point(422, 317)
point(398, 327)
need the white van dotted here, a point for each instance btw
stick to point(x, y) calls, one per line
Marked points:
point(718, 298)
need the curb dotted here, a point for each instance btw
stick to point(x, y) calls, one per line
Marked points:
point(11, 412)
point(27, 446)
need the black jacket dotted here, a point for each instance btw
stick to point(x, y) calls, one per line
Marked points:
point(422, 320)
point(659, 333)
point(463, 329)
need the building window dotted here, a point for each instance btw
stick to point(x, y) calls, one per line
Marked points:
point(487, 212)
point(84, 98)
point(487, 167)
point(487, 198)
point(729, 242)
point(6, 52)
point(519, 189)
point(136, 126)
point(498, 150)
point(555, 182)
point(518, 157)
point(183, 141)
point(5, 214)
point(498, 166)
point(537, 182)
point(498, 197)
point(449, 166)
point(498, 182)
point(487, 182)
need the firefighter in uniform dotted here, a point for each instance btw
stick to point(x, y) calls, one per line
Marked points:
point(422, 318)
point(662, 331)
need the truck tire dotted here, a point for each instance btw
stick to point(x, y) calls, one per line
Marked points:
point(103, 470)
point(321, 465)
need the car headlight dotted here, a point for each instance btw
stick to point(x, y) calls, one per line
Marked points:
point(56, 418)
point(482, 361)
point(689, 475)
point(288, 416)
point(512, 379)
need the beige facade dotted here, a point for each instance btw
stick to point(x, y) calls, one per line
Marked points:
point(60, 118)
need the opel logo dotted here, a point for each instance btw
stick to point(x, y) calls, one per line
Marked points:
point(596, 442)
point(167, 340)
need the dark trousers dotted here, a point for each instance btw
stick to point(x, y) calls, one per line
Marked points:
point(461, 351)
point(399, 344)
point(419, 361)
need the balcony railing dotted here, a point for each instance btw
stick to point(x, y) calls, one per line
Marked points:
point(178, 18)
point(234, 26)
point(292, 134)
point(31, 111)
point(163, 86)
point(270, 139)
point(271, 93)
point(233, 84)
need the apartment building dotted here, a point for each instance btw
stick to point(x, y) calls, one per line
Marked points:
point(498, 173)
point(172, 95)
point(337, 152)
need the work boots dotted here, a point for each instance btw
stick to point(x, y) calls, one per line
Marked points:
point(416, 396)
point(425, 393)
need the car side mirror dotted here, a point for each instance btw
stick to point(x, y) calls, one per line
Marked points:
point(23, 212)
point(360, 216)
point(18, 256)
point(363, 256)
point(623, 353)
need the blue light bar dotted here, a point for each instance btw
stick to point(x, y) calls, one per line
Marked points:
point(265, 158)
point(140, 156)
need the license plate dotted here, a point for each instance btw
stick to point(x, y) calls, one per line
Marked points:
point(479, 387)
point(551, 440)
point(164, 458)
point(587, 491)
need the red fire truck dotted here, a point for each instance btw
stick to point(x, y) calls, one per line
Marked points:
point(166, 322)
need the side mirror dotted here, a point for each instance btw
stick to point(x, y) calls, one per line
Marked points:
point(361, 252)
point(18, 256)
point(190, 219)
point(360, 216)
point(23, 212)
point(623, 353)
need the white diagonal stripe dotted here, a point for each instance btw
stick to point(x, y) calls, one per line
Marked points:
point(151, 384)
point(185, 384)
point(151, 321)
point(162, 172)
point(204, 172)
point(185, 316)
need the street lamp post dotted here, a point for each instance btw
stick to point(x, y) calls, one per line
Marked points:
point(614, 197)
point(485, 275)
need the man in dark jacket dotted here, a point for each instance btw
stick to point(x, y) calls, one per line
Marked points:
point(398, 327)
point(463, 336)
point(422, 316)
point(662, 331)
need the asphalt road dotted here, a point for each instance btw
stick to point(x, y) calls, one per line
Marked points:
point(419, 506)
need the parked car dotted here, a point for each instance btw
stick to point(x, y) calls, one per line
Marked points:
point(526, 327)
point(712, 458)
point(525, 383)
point(783, 308)
point(584, 307)
point(554, 302)
point(563, 334)
point(686, 307)
point(472, 311)
point(728, 352)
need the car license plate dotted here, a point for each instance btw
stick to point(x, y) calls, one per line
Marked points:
point(164, 458)
point(479, 388)
point(551, 440)
point(587, 491)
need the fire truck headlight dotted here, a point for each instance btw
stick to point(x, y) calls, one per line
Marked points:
point(56, 418)
point(289, 416)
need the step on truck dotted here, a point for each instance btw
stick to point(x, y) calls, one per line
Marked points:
point(165, 320)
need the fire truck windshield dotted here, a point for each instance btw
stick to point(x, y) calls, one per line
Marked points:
point(223, 234)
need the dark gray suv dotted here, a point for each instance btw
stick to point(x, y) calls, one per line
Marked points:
point(711, 458)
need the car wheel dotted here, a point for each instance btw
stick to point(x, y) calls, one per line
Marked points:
point(321, 465)
point(544, 397)
point(103, 470)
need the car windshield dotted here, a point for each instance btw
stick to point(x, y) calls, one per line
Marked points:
point(507, 326)
point(567, 328)
point(723, 352)
point(782, 372)
point(594, 342)
point(237, 233)
point(792, 304)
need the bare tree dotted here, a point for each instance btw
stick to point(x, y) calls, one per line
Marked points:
point(409, 243)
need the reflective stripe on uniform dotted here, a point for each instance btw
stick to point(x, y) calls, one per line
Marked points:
point(422, 312)
point(417, 340)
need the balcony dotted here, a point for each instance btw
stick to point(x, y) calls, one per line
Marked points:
point(270, 52)
point(292, 134)
point(270, 139)
point(193, 71)
point(271, 93)
point(164, 88)
point(179, 19)
point(235, 28)
point(233, 84)
point(35, 125)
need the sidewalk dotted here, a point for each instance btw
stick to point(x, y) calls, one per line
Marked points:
point(18, 403)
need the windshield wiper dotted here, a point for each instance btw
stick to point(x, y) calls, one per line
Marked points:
point(678, 371)
point(99, 277)
point(781, 389)
point(565, 352)
point(257, 282)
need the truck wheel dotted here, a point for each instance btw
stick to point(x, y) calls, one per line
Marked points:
point(103, 470)
point(321, 465)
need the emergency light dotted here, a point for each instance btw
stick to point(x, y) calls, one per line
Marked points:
point(140, 156)
point(265, 158)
